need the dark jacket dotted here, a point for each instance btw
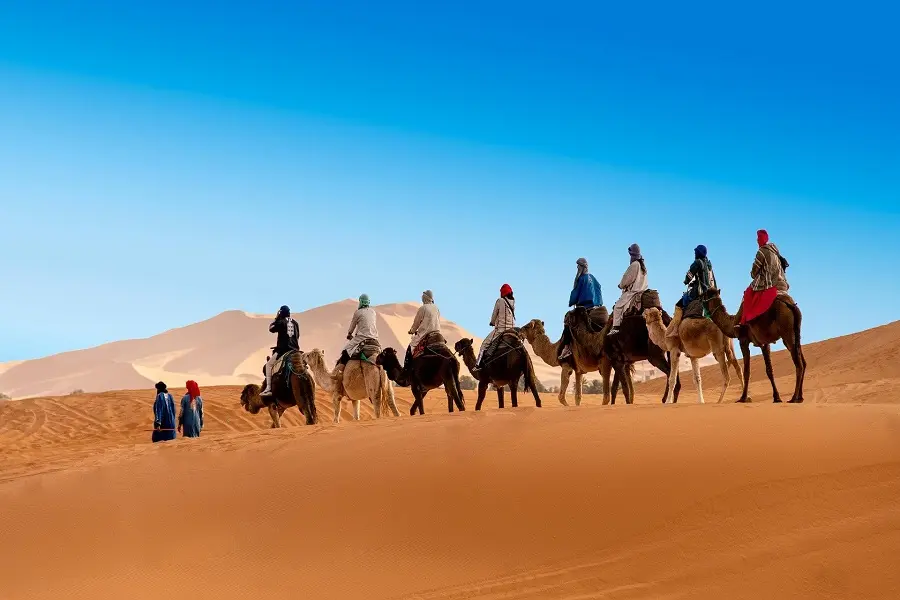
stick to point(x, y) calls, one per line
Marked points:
point(288, 335)
point(700, 277)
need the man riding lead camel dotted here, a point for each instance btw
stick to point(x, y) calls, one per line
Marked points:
point(288, 339)
point(769, 279)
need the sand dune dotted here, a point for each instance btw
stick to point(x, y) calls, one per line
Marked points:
point(631, 502)
point(228, 349)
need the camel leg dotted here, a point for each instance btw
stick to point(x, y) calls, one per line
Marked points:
point(726, 376)
point(482, 392)
point(276, 418)
point(564, 385)
point(767, 357)
point(657, 358)
point(336, 400)
point(673, 369)
point(615, 385)
point(605, 369)
point(729, 356)
point(514, 393)
point(628, 386)
point(695, 367)
point(500, 392)
point(799, 370)
point(537, 397)
point(388, 388)
point(745, 353)
point(418, 401)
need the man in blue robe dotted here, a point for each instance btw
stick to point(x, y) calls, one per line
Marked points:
point(585, 292)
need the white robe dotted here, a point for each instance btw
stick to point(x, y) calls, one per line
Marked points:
point(362, 327)
point(428, 319)
point(633, 283)
point(501, 319)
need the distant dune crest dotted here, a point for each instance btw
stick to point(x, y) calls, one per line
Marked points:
point(228, 349)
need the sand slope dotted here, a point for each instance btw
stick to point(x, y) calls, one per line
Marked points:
point(630, 502)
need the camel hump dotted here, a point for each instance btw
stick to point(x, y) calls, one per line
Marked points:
point(650, 299)
point(434, 342)
point(786, 298)
point(694, 310)
point(597, 318)
point(368, 349)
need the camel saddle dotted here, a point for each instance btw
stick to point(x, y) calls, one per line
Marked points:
point(506, 341)
point(695, 310)
point(597, 318)
point(279, 367)
point(433, 340)
point(649, 299)
point(368, 349)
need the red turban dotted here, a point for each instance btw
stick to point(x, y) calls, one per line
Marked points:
point(193, 389)
point(762, 237)
point(505, 290)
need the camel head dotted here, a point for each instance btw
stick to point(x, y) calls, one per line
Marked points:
point(315, 359)
point(651, 315)
point(463, 345)
point(250, 399)
point(388, 360)
point(532, 329)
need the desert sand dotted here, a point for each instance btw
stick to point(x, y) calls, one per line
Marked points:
point(628, 502)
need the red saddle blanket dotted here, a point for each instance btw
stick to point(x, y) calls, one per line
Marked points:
point(757, 303)
point(433, 338)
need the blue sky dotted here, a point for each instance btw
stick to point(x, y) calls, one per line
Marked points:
point(162, 162)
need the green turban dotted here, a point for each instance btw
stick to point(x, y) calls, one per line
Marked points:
point(364, 301)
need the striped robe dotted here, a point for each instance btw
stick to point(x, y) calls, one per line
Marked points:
point(767, 271)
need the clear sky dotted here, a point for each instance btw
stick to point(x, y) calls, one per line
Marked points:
point(161, 162)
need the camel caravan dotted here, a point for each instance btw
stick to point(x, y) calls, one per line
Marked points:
point(592, 341)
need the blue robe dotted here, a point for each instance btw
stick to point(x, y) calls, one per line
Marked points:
point(586, 292)
point(163, 418)
point(191, 419)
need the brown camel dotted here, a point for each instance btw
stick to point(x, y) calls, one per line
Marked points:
point(630, 345)
point(299, 390)
point(436, 366)
point(695, 338)
point(507, 363)
point(781, 322)
point(581, 362)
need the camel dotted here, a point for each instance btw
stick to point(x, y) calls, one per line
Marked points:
point(781, 322)
point(299, 391)
point(362, 379)
point(509, 362)
point(583, 359)
point(630, 345)
point(695, 338)
point(436, 366)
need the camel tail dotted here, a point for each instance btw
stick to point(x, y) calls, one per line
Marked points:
point(530, 378)
point(308, 387)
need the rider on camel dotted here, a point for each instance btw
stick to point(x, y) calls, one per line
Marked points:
point(769, 279)
point(362, 328)
point(288, 339)
point(427, 320)
point(633, 284)
point(502, 319)
point(585, 292)
point(699, 279)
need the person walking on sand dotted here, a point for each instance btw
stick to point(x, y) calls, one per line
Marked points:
point(163, 415)
point(190, 417)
